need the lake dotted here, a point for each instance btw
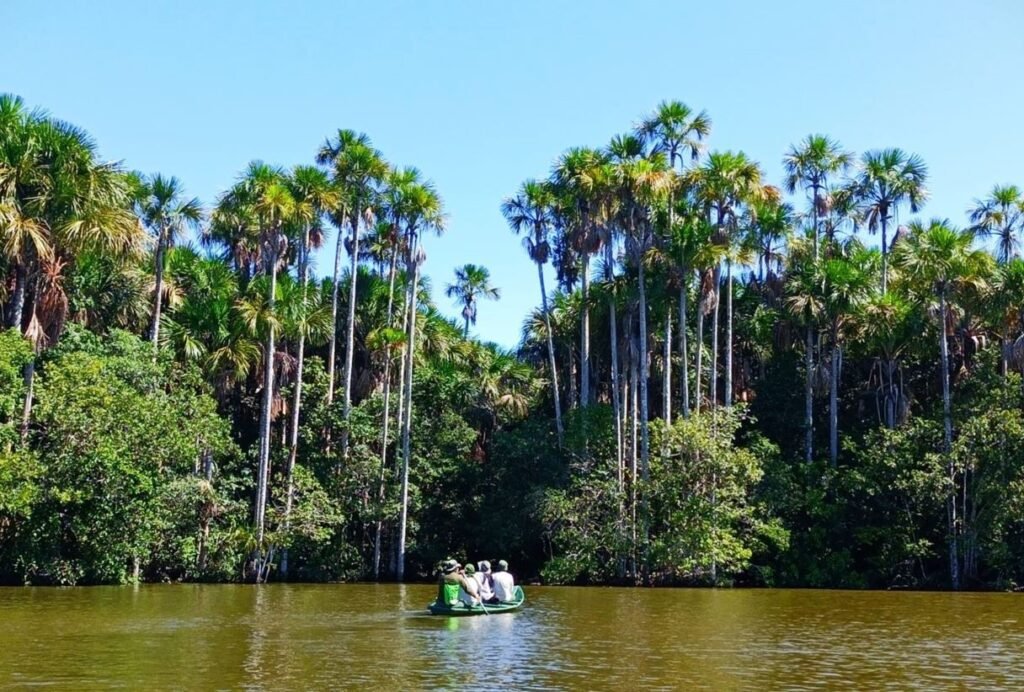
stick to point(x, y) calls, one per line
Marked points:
point(323, 636)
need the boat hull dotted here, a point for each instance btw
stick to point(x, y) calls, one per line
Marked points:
point(462, 610)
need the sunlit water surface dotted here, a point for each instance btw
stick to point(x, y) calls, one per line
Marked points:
point(346, 636)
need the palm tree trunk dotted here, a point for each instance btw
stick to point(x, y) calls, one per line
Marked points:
point(551, 354)
point(158, 299)
point(713, 390)
point(833, 401)
point(885, 252)
point(683, 350)
point(18, 298)
point(666, 385)
point(293, 445)
point(29, 375)
point(350, 339)
point(333, 341)
point(387, 419)
point(585, 334)
point(407, 421)
point(644, 376)
point(700, 357)
point(263, 474)
point(809, 395)
point(728, 333)
point(947, 421)
point(614, 335)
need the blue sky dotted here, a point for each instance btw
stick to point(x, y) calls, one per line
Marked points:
point(481, 99)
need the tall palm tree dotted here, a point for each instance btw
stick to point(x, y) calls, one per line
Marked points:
point(314, 195)
point(1001, 215)
point(886, 180)
point(471, 282)
point(809, 165)
point(530, 212)
point(846, 284)
point(804, 302)
point(422, 212)
point(940, 261)
point(162, 207)
point(357, 169)
point(642, 180)
point(728, 180)
point(266, 192)
point(577, 178)
point(675, 130)
point(58, 202)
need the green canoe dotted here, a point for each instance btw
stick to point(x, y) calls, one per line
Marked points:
point(463, 609)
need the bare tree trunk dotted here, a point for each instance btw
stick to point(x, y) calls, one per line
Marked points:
point(407, 421)
point(551, 355)
point(947, 422)
point(634, 371)
point(728, 333)
point(683, 350)
point(585, 335)
point(350, 339)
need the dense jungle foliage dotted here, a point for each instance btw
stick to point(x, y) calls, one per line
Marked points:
point(730, 382)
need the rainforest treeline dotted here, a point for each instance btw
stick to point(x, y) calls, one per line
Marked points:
point(731, 381)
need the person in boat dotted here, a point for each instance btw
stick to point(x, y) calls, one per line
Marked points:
point(450, 581)
point(504, 584)
point(469, 590)
point(485, 582)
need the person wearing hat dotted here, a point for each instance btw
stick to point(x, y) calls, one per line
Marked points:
point(469, 590)
point(449, 582)
point(484, 581)
point(504, 584)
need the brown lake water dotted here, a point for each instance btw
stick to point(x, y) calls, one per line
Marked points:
point(378, 637)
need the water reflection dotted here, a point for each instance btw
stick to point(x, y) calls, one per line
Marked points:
point(324, 636)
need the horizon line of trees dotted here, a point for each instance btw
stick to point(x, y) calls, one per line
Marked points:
point(725, 385)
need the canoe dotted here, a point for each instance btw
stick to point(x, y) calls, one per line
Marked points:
point(462, 609)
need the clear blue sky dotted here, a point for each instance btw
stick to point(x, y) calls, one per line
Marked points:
point(480, 99)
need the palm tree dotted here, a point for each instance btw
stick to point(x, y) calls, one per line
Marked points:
point(1000, 215)
point(577, 178)
point(530, 212)
point(886, 180)
point(805, 304)
point(846, 283)
point(728, 180)
point(471, 282)
point(314, 195)
point(810, 165)
point(163, 209)
point(357, 168)
point(266, 192)
point(677, 132)
point(890, 322)
point(1007, 304)
point(940, 261)
point(58, 202)
point(422, 212)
